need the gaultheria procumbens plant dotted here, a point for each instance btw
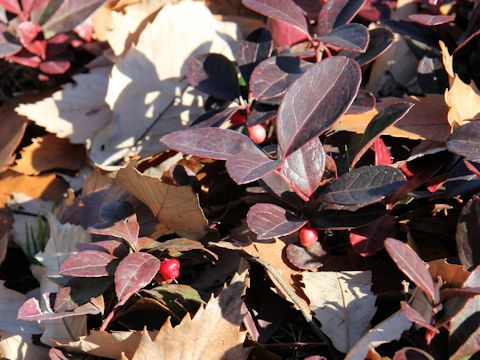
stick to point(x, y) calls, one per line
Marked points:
point(303, 94)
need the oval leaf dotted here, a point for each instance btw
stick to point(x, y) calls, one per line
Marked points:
point(380, 40)
point(306, 259)
point(272, 77)
point(328, 14)
point(368, 239)
point(348, 12)
point(305, 167)
point(468, 228)
point(412, 266)
point(363, 186)
point(315, 101)
point(269, 221)
point(353, 37)
point(431, 20)
point(88, 263)
point(215, 75)
point(385, 118)
point(133, 273)
point(465, 141)
point(282, 10)
point(127, 229)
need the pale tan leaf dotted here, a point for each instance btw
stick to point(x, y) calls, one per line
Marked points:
point(426, 120)
point(18, 347)
point(105, 344)
point(451, 274)
point(176, 207)
point(4, 246)
point(463, 101)
point(213, 333)
point(12, 128)
point(61, 244)
point(343, 303)
point(388, 330)
point(50, 152)
point(447, 60)
point(146, 81)
point(77, 111)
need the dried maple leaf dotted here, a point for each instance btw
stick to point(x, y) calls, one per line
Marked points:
point(176, 207)
point(50, 152)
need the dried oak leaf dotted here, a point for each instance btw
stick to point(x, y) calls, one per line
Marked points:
point(176, 207)
point(50, 152)
point(463, 101)
point(343, 303)
point(426, 120)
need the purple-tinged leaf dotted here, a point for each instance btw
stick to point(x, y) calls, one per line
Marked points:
point(364, 185)
point(414, 316)
point(213, 118)
point(465, 141)
point(380, 40)
point(69, 14)
point(32, 5)
point(276, 185)
point(31, 311)
point(411, 353)
point(328, 14)
point(31, 36)
point(79, 291)
point(431, 20)
point(412, 266)
point(256, 47)
point(261, 113)
point(315, 101)
point(9, 45)
point(468, 230)
point(12, 6)
point(180, 245)
point(412, 30)
point(348, 12)
point(352, 37)
point(126, 229)
point(116, 248)
point(431, 75)
point(305, 167)
point(55, 66)
point(272, 77)
point(448, 293)
point(215, 75)
point(134, 273)
point(245, 161)
point(380, 122)
point(269, 221)
point(282, 10)
point(365, 101)
point(88, 263)
point(368, 240)
point(284, 34)
point(306, 258)
point(344, 219)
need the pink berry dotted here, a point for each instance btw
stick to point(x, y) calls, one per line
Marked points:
point(308, 236)
point(169, 269)
point(257, 133)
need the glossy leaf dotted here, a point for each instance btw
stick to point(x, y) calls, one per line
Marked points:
point(31, 311)
point(431, 20)
point(272, 77)
point(282, 10)
point(385, 118)
point(306, 258)
point(79, 291)
point(256, 47)
point(353, 37)
point(31, 36)
point(69, 14)
point(88, 263)
point(412, 266)
point(261, 113)
point(365, 101)
point(468, 230)
point(380, 40)
point(133, 273)
point(328, 14)
point(245, 161)
point(127, 229)
point(414, 316)
point(314, 102)
point(344, 219)
point(269, 221)
point(368, 240)
point(215, 75)
point(411, 353)
point(348, 12)
point(305, 167)
point(465, 141)
point(363, 186)
point(412, 30)
point(382, 155)
point(12, 6)
point(284, 34)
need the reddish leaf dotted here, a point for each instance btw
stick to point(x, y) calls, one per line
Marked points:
point(31, 36)
point(269, 221)
point(133, 273)
point(113, 247)
point(54, 67)
point(284, 34)
point(25, 58)
point(88, 263)
point(410, 353)
point(380, 40)
point(348, 12)
point(31, 311)
point(256, 47)
point(367, 240)
point(415, 317)
point(32, 5)
point(364, 102)
point(328, 14)
point(431, 20)
point(325, 92)
point(411, 265)
point(353, 37)
point(382, 155)
point(12, 6)
point(306, 258)
point(282, 10)
point(126, 229)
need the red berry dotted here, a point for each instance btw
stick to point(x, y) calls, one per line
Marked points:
point(169, 269)
point(308, 236)
point(257, 133)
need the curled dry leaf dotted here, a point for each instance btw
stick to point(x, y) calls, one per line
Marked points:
point(463, 101)
point(12, 129)
point(176, 207)
point(343, 302)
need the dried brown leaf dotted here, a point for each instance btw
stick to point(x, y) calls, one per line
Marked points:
point(463, 101)
point(12, 128)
